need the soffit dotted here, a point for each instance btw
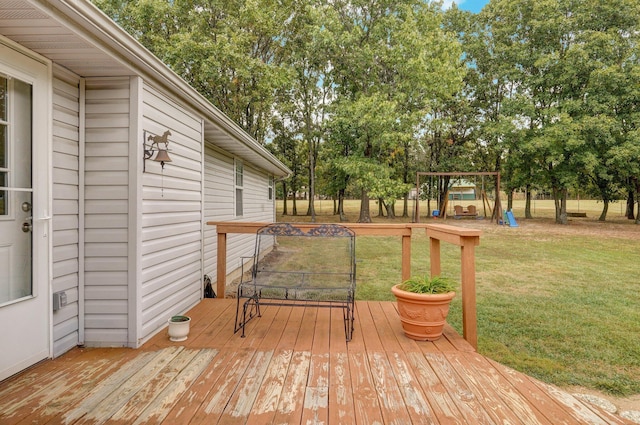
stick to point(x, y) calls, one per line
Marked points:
point(39, 32)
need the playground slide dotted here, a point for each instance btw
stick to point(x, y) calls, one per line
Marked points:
point(511, 219)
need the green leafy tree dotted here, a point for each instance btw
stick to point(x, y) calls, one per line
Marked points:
point(390, 60)
point(303, 103)
point(570, 63)
point(231, 52)
point(286, 148)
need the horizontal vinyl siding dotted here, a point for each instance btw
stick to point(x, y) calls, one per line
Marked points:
point(220, 206)
point(257, 206)
point(218, 202)
point(106, 211)
point(65, 207)
point(171, 215)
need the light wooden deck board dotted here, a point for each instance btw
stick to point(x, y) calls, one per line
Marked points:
point(293, 367)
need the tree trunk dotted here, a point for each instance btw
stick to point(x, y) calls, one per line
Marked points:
point(605, 208)
point(443, 194)
point(284, 199)
point(563, 206)
point(510, 200)
point(312, 180)
point(365, 213)
point(637, 197)
point(380, 207)
point(311, 211)
point(295, 204)
point(560, 200)
point(405, 205)
point(391, 214)
point(405, 178)
point(527, 203)
point(631, 203)
point(343, 217)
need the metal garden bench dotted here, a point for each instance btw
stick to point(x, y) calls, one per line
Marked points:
point(294, 267)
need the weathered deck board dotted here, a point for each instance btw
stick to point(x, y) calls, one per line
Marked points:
point(340, 390)
point(291, 403)
point(443, 405)
point(55, 390)
point(465, 400)
point(365, 397)
point(120, 404)
point(193, 397)
point(415, 399)
point(160, 405)
point(293, 367)
point(267, 400)
point(316, 397)
point(496, 384)
point(239, 405)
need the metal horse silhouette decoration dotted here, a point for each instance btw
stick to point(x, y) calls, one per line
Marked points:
point(154, 146)
point(156, 140)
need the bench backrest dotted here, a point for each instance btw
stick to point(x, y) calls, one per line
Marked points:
point(324, 254)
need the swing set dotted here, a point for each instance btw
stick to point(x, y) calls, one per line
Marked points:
point(495, 212)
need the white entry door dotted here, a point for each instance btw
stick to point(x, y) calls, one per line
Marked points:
point(25, 306)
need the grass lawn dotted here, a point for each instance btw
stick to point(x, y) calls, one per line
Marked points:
point(560, 303)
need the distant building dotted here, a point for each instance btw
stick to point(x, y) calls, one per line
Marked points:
point(462, 190)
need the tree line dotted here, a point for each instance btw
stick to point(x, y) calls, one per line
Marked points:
point(355, 96)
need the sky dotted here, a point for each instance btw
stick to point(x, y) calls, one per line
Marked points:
point(471, 5)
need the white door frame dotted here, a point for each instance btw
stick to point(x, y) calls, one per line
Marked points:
point(29, 67)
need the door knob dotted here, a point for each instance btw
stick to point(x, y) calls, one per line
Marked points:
point(26, 227)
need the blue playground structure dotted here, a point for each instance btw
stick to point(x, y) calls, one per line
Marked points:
point(510, 219)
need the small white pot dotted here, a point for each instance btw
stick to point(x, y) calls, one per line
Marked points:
point(179, 328)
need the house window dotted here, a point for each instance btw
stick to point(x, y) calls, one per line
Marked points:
point(271, 188)
point(239, 187)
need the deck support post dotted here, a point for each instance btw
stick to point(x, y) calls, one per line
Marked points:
point(221, 266)
point(406, 257)
point(466, 239)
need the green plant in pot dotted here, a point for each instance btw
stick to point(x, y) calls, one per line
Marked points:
point(423, 305)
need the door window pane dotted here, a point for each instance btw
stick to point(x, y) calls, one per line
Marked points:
point(16, 239)
point(21, 129)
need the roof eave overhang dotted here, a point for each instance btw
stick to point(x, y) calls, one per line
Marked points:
point(99, 30)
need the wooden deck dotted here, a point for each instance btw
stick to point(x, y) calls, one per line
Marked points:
point(294, 367)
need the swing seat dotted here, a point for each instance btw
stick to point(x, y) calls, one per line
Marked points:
point(460, 212)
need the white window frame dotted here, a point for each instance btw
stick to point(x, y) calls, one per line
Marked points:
point(271, 188)
point(238, 193)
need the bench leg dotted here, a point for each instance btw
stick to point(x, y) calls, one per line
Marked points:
point(349, 316)
point(250, 309)
point(239, 322)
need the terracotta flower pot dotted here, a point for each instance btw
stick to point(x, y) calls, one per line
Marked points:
point(179, 328)
point(422, 315)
